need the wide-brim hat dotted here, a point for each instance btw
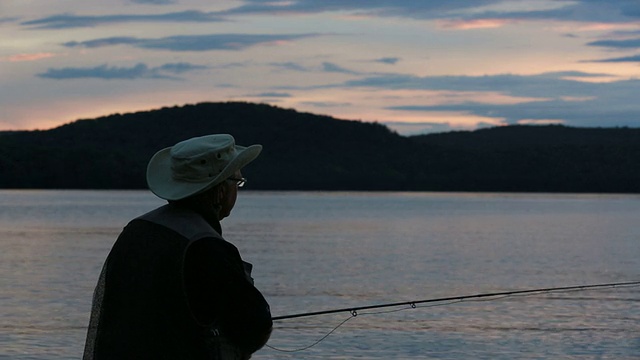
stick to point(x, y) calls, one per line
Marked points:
point(195, 165)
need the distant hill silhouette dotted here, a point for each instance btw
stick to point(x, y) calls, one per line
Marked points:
point(303, 151)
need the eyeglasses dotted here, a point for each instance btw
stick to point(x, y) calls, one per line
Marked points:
point(239, 182)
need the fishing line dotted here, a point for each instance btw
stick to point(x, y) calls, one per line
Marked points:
point(317, 341)
point(444, 301)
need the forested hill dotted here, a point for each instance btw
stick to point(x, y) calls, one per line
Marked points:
point(304, 151)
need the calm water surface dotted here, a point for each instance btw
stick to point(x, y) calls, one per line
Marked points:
point(315, 250)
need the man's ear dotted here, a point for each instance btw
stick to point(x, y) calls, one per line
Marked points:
point(221, 193)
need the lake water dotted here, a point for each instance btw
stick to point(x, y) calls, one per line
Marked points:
point(323, 250)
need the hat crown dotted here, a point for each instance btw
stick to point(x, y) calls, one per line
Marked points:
point(195, 165)
point(203, 158)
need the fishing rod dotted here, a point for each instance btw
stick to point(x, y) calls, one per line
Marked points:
point(354, 310)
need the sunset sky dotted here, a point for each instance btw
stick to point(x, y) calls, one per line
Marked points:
point(416, 65)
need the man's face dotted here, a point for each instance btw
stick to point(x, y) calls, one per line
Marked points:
point(230, 194)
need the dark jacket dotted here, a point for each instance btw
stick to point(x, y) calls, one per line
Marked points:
point(173, 288)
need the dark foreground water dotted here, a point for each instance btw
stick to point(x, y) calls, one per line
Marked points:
point(317, 251)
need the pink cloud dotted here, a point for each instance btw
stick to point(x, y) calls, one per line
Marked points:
point(541, 122)
point(29, 57)
point(473, 24)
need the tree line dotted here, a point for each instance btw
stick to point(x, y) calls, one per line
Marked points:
point(304, 151)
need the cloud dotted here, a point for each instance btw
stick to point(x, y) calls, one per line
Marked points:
point(463, 24)
point(477, 13)
point(66, 21)
point(138, 71)
point(387, 60)
point(585, 11)
point(325, 104)
point(97, 43)
point(558, 96)
point(541, 122)
point(418, 128)
point(592, 113)
point(29, 57)
point(232, 65)
point(271, 95)
point(396, 8)
point(179, 68)
point(540, 85)
point(465, 15)
point(193, 42)
point(625, 33)
point(154, 2)
point(331, 67)
point(327, 67)
point(8, 19)
point(633, 58)
point(290, 66)
point(631, 8)
point(618, 44)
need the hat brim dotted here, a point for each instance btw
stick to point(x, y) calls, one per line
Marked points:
point(163, 185)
